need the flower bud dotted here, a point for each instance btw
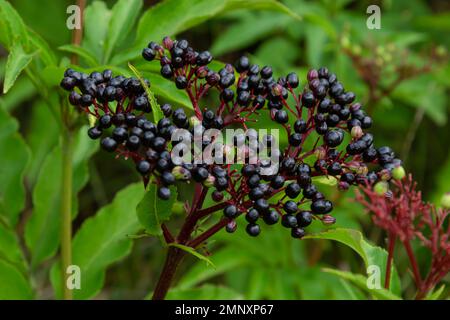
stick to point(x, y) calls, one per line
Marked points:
point(357, 132)
point(398, 173)
point(328, 220)
point(381, 187)
point(181, 173)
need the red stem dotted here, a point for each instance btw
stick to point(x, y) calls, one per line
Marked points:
point(414, 265)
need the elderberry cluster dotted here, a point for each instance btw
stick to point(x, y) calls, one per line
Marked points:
point(322, 112)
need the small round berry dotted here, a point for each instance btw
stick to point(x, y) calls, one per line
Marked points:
point(200, 174)
point(304, 218)
point(281, 116)
point(94, 133)
point(370, 154)
point(309, 191)
point(398, 173)
point(271, 217)
point(109, 144)
point(217, 196)
point(74, 98)
point(255, 194)
point(242, 64)
point(133, 142)
point(266, 72)
point(231, 226)
point(300, 126)
point(105, 121)
point(203, 58)
point(295, 139)
point(167, 178)
point(293, 190)
point(308, 100)
point(334, 169)
point(158, 144)
point(148, 54)
point(253, 229)
point(381, 188)
point(181, 82)
point(68, 83)
point(230, 211)
point(277, 182)
point(166, 71)
point(252, 216)
point(321, 206)
point(261, 205)
point(289, 221)
point(164, 193)
point(292, 80)
point(297, 233)
point(143, 167)
point(86, 100)
point(290, 206)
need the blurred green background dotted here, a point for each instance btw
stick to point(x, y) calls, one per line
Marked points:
point(400, 73)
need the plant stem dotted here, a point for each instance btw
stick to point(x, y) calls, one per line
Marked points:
point(414, 265)
point(66, 211)
point(173, 259)
point(391, 246)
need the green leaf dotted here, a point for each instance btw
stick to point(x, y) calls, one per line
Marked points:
point(174, 16)
point(41, 142)
point(256, 25)
point(13, 284)
point(225, 259)
point(10, 250)
point(17, 61)
point(96, 25)
point(370, 254)
point(82, 52)
point(361, 282)
point(325, 180)
point(13, 162)
point(417, 92)
point(42, 229)
point(151, 211)
point(15, 27)
point(194, 252)
point(156, 110)
point(436, 294)
point(205, 292)
point(123, 17)
point(102, 241)
point(43, 49)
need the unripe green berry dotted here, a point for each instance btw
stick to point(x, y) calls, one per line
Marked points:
point(445, 201)
point(381, 187)
point(398, 173)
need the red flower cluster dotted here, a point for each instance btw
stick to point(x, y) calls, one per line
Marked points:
point(403, 214)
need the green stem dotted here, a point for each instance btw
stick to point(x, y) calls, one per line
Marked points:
point(66, 210)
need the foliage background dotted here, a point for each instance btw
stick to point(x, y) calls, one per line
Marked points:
point(412, 118)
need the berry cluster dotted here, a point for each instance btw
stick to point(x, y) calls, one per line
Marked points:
point(322, 112)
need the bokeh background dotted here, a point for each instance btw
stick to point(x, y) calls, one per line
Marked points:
point(400, 73)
